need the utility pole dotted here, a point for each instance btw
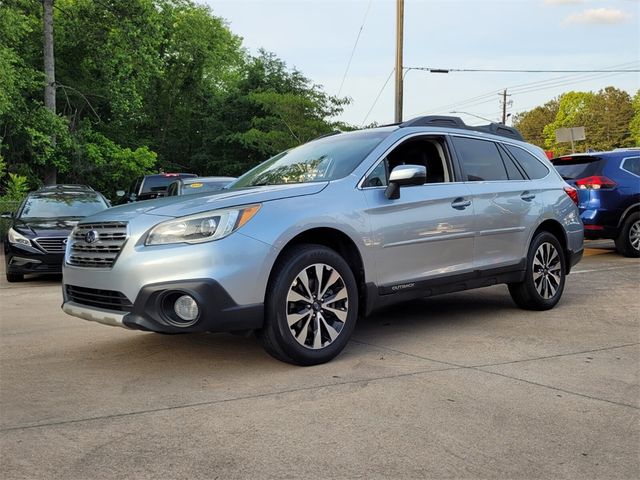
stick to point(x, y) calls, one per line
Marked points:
point(504, 106)
point(399, 69)
point(49, 76)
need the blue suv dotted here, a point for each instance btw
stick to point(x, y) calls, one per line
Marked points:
point(608, 185)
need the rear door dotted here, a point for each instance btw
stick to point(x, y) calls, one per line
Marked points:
point(504, 198)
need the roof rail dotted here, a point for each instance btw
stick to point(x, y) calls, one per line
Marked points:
point(456, 122)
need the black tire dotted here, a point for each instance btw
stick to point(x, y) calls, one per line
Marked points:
point(537, 293)
point(287, 343)
point(627, 237)
point(14, 277)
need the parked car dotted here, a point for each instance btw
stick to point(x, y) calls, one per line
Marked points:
point(300, 246)
point(608, 185)
point(188, 186)
point(37, 238)
point(149, 187)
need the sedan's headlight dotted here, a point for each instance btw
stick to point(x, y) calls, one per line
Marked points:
point(16, 238)
point(203, 227)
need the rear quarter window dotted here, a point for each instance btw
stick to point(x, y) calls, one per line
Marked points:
point(631, 165)
point(533, 167)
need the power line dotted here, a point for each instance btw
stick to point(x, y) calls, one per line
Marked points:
point(533, 87)
point(378, 97)
point(353, 50)
point(496, 70)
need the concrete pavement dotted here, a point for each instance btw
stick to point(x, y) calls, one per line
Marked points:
point(458, 386)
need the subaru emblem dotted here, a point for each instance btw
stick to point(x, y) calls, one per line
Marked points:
point(91, 236)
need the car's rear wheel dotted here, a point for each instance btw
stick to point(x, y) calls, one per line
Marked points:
point(628, 240)
point(14, 277)
point(544, 277)
point(311, 306)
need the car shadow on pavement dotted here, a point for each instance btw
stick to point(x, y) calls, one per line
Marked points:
point(197, 353)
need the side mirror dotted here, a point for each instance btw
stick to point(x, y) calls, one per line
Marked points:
point(120, 193)
point(402, 176)
point(8, 215)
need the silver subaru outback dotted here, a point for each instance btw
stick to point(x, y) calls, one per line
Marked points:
point(303, 244)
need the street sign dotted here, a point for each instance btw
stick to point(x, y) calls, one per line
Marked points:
point(572, 134)
point(569, 134)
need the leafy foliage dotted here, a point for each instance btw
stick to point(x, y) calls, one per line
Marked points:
point(608, 117)
point(146, 84)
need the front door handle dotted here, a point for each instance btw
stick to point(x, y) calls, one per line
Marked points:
point(527, 196)
point(460, 203)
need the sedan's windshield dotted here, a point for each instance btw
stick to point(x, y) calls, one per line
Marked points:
point(321, 160)
point(57, 205)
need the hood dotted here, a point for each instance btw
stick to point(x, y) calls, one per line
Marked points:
point(182, 205)
point(44, 227)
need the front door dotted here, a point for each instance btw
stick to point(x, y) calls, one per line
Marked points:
point(428, 231)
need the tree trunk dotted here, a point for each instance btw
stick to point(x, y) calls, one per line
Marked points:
point(50, 77)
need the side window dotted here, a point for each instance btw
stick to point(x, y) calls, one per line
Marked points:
point(631, 165)
point(513, 171)
point(429, 152)
point(531, 165)
point(480, 159)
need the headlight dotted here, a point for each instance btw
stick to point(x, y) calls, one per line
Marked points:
point(16, 238)
point(203, 227)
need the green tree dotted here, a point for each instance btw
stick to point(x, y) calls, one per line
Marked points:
point(608, 126)
point(573, 111)
point(634, 126)
point(532, 123)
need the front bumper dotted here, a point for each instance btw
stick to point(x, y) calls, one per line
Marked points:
point(228, 279)
point(151, 310)
point(25, 261)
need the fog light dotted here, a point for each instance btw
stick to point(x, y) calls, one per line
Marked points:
point(186, 308)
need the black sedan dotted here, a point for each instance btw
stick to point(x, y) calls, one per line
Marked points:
point(37, 239)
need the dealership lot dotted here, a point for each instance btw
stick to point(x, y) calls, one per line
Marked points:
point(459, 386)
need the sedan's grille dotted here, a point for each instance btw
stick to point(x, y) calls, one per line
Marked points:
point(93, 297)
point(52, 244)
point(96, 245)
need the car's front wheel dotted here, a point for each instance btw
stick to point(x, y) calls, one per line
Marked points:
point(14, 277)
point(628, 241)
point(311, 306)
point(544, 279)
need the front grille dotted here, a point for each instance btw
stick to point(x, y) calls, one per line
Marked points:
point(92, 297)
point(52, 244)
point(98, 249)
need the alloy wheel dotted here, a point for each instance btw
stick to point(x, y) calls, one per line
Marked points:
point(547, 270)
point(317, 306)
point(634, 235)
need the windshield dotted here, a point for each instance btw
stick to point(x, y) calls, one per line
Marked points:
point(321, 160)
point(58, 205)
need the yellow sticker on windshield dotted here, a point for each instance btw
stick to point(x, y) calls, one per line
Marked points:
point(196, 185)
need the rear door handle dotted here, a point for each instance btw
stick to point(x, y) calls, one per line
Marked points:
point(460, 203)
point(527, 196)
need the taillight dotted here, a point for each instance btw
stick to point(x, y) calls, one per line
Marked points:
point(573, 194)
point(595, 183)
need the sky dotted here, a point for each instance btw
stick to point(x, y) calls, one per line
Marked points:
point(317, 37)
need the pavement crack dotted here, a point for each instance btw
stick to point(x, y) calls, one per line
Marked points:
point(479, 368)
point(222, 401)
point(569, 354)
point(360, 342)
point(557, 389)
